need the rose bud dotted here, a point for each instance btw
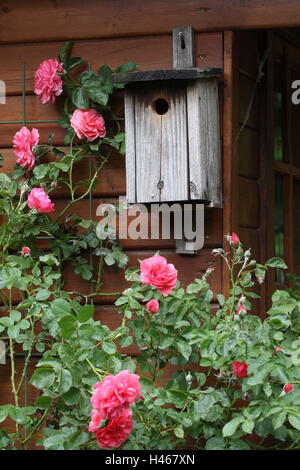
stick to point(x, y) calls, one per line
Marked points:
point(241, 309)
point(152, 306)
point(26, 251)
point(277, 348)
point(240, 369)
point(234, 239)
point(288, 388)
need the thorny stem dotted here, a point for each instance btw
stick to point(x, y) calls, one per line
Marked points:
point(38, 424)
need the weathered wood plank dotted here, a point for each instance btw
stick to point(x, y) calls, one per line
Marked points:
point(204, 142)
point(173, 149)
point(183, 47)
point(147, 144)
point(68, 19)
point(129, 99)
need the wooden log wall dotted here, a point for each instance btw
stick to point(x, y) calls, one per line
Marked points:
point(32, 38)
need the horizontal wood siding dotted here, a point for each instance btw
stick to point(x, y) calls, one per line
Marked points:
point(49, 20)
point(113, 33)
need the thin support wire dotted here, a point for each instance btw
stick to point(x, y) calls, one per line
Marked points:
point(91, 213)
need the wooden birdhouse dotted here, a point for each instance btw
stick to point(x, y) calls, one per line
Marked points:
point(172, 130)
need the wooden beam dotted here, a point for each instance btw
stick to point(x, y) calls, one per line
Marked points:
point(33, 21)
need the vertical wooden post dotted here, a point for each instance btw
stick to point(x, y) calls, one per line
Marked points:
point(183, 47)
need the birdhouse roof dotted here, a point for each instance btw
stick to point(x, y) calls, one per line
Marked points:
point(167, 74)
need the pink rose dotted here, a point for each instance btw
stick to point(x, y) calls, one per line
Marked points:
point(116, 432)
point(115, 393)
point(278, 348)
point(48, 84)
point(288, 388)
point(39, 200)
point(152, 306)
point(156, 272)
point(26, 251)
point(88, 124)
point(23, 143)
point(241, 309)
point(234, 239)
point(95, 421)
point(240, 369)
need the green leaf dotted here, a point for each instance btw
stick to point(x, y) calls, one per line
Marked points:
point(4, 412)
point(104, 73)
point(6, 321)
point(67, 325)
point(179, 432)
point(98, 95)
point(166, 342)
point(125, 341)
point(40, 171)
point(230, 428)
point(54, 442)
point(65, 381)
point(109, 347)
point(13, 331)
point(43, 294)
point(278, 419)
point(248, 426)
point(80, 98)
point(60, 307)
point(15, 315)
point(215, 443)
point(85, 313)
point(129, 364)
point(65, 51)
point(295, 421)
point(74, 62)
point(128, 67)
point(18, 414)
point(42, 378)
point(276, 263)
point(184, 348)
point(71, 397)
point(43, 402)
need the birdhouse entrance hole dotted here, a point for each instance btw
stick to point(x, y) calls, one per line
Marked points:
point(160, 106)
